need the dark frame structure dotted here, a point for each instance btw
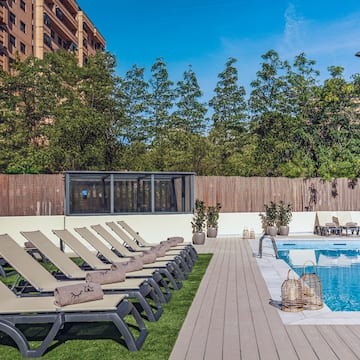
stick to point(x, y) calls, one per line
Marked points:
point(107, 193)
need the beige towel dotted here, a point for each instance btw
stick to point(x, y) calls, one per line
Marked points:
point(29, 245)
point(330, 225)
point(148, 257)
point(176, 239)
point(77, 293)
point(107, 276)
point(134, 264)
point(159, 250)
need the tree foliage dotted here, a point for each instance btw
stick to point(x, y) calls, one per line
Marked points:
point(57, 116)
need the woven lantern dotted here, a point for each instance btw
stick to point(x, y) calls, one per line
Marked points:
point(312, 288)
point(291, 294)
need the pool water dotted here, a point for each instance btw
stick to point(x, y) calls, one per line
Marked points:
point(339, 270)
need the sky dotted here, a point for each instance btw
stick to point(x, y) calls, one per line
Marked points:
point(206, 33)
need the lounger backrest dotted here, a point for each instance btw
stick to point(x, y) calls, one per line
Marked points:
point(80, 249)
point(54, 254)
point(111, 240)
point(25, 264)
point(6, 294)
point(126, 238)
point(97, 244)
point(344, 217)
point(133, 233)
point(324, 217)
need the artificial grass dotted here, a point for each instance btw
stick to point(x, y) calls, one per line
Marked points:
point(100, 340)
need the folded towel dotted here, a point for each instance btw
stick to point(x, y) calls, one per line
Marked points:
point(330, 225)
point(351, 224)
point(113, 275)
point(134, 264)
point(29, 245)
point(148, 257)
point(176, 239)
point(159, 250)
point(78, 293)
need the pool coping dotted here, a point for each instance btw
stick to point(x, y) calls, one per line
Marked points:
point(274, 272)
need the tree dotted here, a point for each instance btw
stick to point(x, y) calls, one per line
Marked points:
point(272, 120)
point(162, 98)
point(229, 128)
point(190, 113)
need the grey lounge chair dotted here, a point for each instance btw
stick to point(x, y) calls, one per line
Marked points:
point(187, 263)
point(42, 281)
point(346, 223)
point(325, 224)
point(170, 264)
point(138, 238)
point(95, 263)
point(37, 310)
point(73, 271)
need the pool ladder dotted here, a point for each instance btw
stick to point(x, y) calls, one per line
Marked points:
point(273, 244)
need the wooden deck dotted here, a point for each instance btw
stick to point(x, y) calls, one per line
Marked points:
point(231, 317)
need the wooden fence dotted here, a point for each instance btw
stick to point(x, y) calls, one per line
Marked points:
point(29, 195)
point(249, 194)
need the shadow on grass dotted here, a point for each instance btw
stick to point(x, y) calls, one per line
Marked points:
point(87, 341)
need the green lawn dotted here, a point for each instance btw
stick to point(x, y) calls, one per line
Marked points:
point(99, 340)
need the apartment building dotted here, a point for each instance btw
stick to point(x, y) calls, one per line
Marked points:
point(34, 27)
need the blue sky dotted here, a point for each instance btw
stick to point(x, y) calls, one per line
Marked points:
point(205, 33)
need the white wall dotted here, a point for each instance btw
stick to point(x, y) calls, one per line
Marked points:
point(154, 228)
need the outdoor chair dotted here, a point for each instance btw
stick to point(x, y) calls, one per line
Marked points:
point(346, 223)
point(140, 240)
point(96, 263)
point(187, 263)
point(72, 271)
point(325, 224)
point(166, 265)
point(42, 281)
point(181, 269)
point(16, 310)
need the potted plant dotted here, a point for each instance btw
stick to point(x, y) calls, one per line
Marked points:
point(284, 216)
point(212, 219)
point(198, 223)
point(269, 218)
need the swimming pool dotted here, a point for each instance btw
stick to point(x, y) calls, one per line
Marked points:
point(337, 264)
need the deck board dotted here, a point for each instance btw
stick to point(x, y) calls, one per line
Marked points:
point(231, 317)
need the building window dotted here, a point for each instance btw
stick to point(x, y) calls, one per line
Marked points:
point(52, 34)
point(12, 40)
point(23, 27)
point(22, 4)
point(59, 13)
point(47, 20)
point(22, 47)
point(60, 42)
point(47, 40)
point(12, 18)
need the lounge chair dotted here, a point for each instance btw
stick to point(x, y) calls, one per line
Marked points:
point(41, 310)
point(346, 223)
point(72, 271)
point(172, 263)
point(94, 262)
point(42, 281)
point(325, 224)
point(136, 236)
point(188, 261)
point(166, 265)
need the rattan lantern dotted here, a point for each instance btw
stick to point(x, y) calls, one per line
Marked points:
point(291, 294)
point(312, 289)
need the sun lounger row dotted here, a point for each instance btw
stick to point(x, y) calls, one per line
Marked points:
point(97, 290)
point(328, 223)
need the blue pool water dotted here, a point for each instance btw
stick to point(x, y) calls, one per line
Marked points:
point(337, 265)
